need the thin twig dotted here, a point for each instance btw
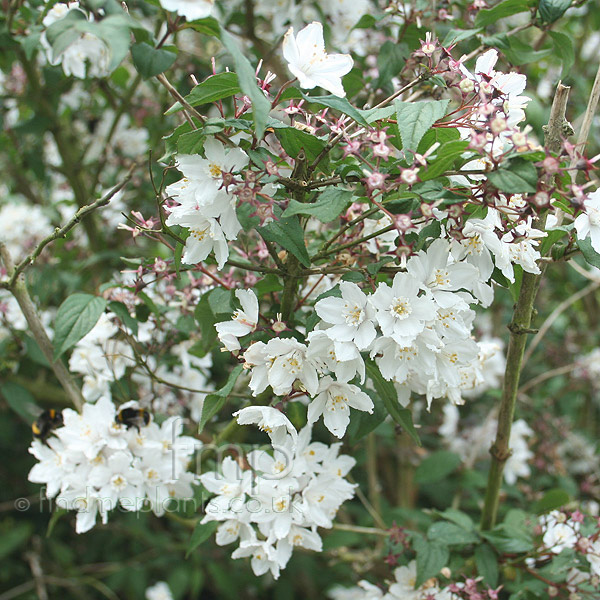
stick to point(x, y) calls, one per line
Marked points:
point(548, 375)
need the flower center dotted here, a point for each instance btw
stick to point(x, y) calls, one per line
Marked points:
point(473, 244)
point(401, 307)
point(353, 314)
point(214, 170)
point(199, 234)
point(442, 277)
point(338, 402)
point(118, 482)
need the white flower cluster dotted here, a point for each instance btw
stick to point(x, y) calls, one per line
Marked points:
point(100, 359)
point(205, 207)
point(418, 331)
point(159, 591)
point(283, 498)
point(92, 464)
point(401, 589)
point(87, 55)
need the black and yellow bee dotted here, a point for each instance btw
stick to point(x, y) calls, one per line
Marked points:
point(46, 422)
point(133, 417)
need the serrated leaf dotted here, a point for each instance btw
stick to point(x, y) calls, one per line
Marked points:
point(328, 206)
point(487, 564)
point(518, 177)
point(201, 533)
point(432, 557)
point(415, 118)
point(214, 402)
point(504, 9)
point(247, 80)
point(552, 10)
point(151, 61)
point(75, 318)
point(437, 466)
point(293, 140)
point(388, 394)
point(289, 235)
point(363, 423)
point(451, 534)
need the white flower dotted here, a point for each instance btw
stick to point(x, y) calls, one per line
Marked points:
point(279, 363)
point(159, 591)
point(401, 312)
point(322, 351)
point(559, 532)
point(517, 464)
point(190, 9)
point(404, 586)
point(309, 62)
point(267, 419)
point(588, 223)
point(334, 401)
point(593, 557)
point(244, 321)
point(351, 317)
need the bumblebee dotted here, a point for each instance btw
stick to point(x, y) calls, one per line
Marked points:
point(133, 417)
point(46, 422)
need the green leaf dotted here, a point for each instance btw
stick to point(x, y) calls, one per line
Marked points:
point(504, 9)
point(293, 140)
point(552, 10)
point(509, 539)
point(289, 234)
point(458, 517)
point(377, 114)
point(208, 26)
point(363, 423)
point(451, 534)
point(387, 392)
point(328, 206)
point(340, 104)
point(221, 301)
point(437, 466)
point(550, 500)
point(11, 539)
point(391, 59)
point(487, 564)
point(591, 256)
point(200, 534)
point(76, 317)
point(563, 48)
point(431, 559)
point(123, 313)
point(151, 61)
point(458, 35)
point(520, 53)
point(520, 176)
point(415, 118)
point(247, 79)
point(20, 400)
point(216, 87)
point(213, 403)
point(446, 156)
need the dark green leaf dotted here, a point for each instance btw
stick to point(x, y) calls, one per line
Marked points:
point(563, 48)
point(487, 564)
point(550, 500)
point(221, 301)
point(123, 313)
point(387, 392)
point(503, 9)
point(247, 80)
point(451, 534)
point(289, 234)
point(552, 10)
point(591, 256)
point(293, 140)
point(200, 534)
point(520, 53)
point(11, 539)
point(458, 517)
point(328, 206)
point(519, 176)
point(415, 118)
point(214, 402)
point(446, 156)
point(151, 61)
point(437, 466)
point(20, 400)
point(216, 87)
point(340, 104)
point(363, 423)
point(432, 557)
point(76, 317)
